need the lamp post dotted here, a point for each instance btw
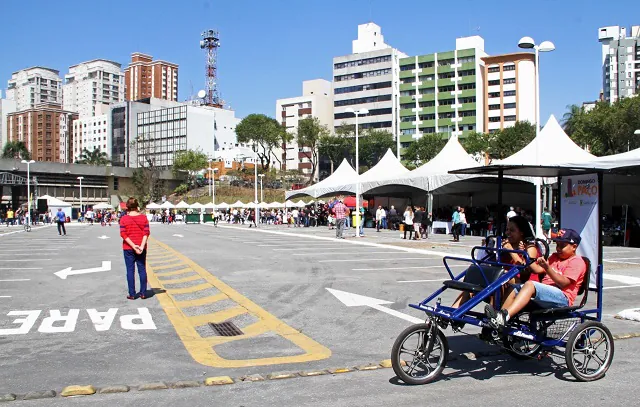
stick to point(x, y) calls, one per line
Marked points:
point(357, 113)
point(29, 162)
point(545, 46)
point(255, 182)
point(261, 191)
point(637, 133)
point(80, 179)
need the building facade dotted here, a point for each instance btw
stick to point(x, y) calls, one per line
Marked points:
point(620, 62)
point(510, 83)
point(45, 130)
point(6, 107)
point(316, 101)
point(146, 78)
point(367, 79)
point(34, 86)
point(92, 84)
point(92, 132)
point(443, 92)
point(164, 132)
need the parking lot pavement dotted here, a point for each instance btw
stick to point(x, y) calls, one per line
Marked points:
point(301, 300)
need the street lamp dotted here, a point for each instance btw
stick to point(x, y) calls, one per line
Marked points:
point(261, 191)
point(636, 133)
point(545, 46)
point(357, 113)
point(29, 162)
point(80, 179)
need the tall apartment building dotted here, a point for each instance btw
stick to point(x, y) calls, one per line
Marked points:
point(443, 92)
point(45, 130)
point(6, 107)
point(33, 86)
point(367, 78)
point(90, 84)
point(146, 78)
point(620, 62)
point(510, 83)
point(92, 132)
point(316, 101)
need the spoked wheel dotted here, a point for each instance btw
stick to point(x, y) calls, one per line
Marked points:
point(27, 228)
point(414, 359)
point(589, 351)
point(522, 349)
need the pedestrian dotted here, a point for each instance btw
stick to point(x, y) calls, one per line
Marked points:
point(408, 222)
point(426, 224)
point(10, 216)
point(380, 214)
point(134, 230)
point(463, 222)
point(418, 215)
point(341, 212)
point(455, 221)
point(61, 218)
point(393, 218)
point(546, 223)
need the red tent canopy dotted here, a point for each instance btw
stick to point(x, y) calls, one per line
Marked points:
point(350, 201)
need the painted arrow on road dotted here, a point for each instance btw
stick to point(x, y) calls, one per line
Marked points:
point(356, 300)
point(178, 235)
point(63, 274)
point(103, 237)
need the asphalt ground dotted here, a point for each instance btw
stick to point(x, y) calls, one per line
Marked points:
point(272, 283)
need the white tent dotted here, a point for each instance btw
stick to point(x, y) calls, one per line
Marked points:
point(197, 206)
point(208, 205)
point(301, 204)
point(289, 204)
point(223, 205)
point(264, 205)
point(554, 147)
point(276, 205)
point(167, 205)
point(387, 167)
point(153, 205)
point(54, 204)
point(182, 205)
point(343, 180)
point(102, 205)
point(238, 204)
point(310, 202)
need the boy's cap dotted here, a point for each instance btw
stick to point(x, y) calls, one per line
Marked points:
point(568, 236)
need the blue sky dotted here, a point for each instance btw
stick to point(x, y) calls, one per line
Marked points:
point(270, 47)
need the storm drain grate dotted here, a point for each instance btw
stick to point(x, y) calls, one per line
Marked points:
point(226, 328)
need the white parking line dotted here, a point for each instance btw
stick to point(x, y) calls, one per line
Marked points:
point(420, 281)
point(621, 262)
point(620, 286)
point(364, 260)
point(302, 247)
point(16, 279)
point(5, 296)
point(625, 258)
point(26, 260)
point(30, 252)
point(348, 253)
point(332, 249)
point(20, 268)
point(407, 268)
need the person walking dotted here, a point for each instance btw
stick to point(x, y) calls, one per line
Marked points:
point(393, 218)
point(134, 230)
point(341, 212)
point(418, 215)
point(463, 222)
point(380, 215)
point(408, 222)
point(426, 224)
point(546, 224)
point(455, 221)
point(10, 217)
point(61, 218)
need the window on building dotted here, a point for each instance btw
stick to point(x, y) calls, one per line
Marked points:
point(509, 105)
point(508, 81)
point(494, 69)
point(423, 65)
point(494, 94)
point(509, 68)
point(494, 107)
point(509, 92)
point(407, 67)
point(494, 82)
point(509, 118)
point(409, 131)
point(427, 117)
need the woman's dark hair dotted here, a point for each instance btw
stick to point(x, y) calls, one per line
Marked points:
point(132, 204)
point(523, 225)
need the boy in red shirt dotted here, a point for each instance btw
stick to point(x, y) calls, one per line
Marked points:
point(563, 276)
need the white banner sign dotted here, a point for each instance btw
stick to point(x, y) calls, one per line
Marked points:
point(579, 210)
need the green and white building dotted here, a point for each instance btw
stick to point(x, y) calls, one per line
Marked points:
point(443, 92)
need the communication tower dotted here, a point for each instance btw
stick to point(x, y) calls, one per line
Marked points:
point(211, 42)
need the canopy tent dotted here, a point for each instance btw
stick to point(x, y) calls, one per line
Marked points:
point(263, 205)
point(387, 168)
point(276, 205)
point(223, 205)
point(208, 205)
point(238, 204)
point(102, 205)
point(623, 163)
point(51, 202)
point(342, 181)
point(310, 202)
point(197, 206)
point(167, 205)
point(301, 204)
point(554, 147)
point(289, 204)
point(182, 205)
point(153, 205)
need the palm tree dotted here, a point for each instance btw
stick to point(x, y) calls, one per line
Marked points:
point(17, 150)
point(95, 157)
point(570, 119)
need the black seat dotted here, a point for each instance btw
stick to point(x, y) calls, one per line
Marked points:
point(584, 291)
point(473, 280)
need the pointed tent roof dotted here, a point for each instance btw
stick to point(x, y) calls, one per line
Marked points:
point(182, 205)
point(342, 180)
point(388, 166)
point(555, 148)
point(51, 201)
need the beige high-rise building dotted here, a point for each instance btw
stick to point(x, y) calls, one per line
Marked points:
point(91, 86)
point(32, 86)
point(146, 78)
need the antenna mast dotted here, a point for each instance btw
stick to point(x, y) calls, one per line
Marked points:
point(211, 42)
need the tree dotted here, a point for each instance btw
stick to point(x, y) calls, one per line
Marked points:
point(95, 157)
point(263, 131)
point(146, 178)
point(190, 161)
point(510, 140)
point(424, 149)
point(17, 150)
point(571, 119)
point(373, 145)
point(479, 144)
point(309, 134)
point(335, 147)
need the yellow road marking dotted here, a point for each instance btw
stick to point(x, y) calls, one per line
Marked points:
point(168, 266)
point(182, 280)
point(202, 301)
point(188, 290)
point(217, 317)
point(174, 273)
point(202, 349)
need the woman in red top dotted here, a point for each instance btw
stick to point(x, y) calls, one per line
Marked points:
point(134, 230)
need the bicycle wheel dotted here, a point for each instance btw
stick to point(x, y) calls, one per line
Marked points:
point(589, 351)
point(410, 358)
point(27, 228)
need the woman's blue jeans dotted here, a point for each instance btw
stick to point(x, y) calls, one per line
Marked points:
point(131, 260)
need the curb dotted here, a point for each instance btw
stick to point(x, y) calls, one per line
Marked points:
point(88, 390)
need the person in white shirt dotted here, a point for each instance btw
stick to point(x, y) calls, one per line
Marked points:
point(511, 213)
point(463, 222)
point(380, 215)
point(295, 214)
point(408, 222)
